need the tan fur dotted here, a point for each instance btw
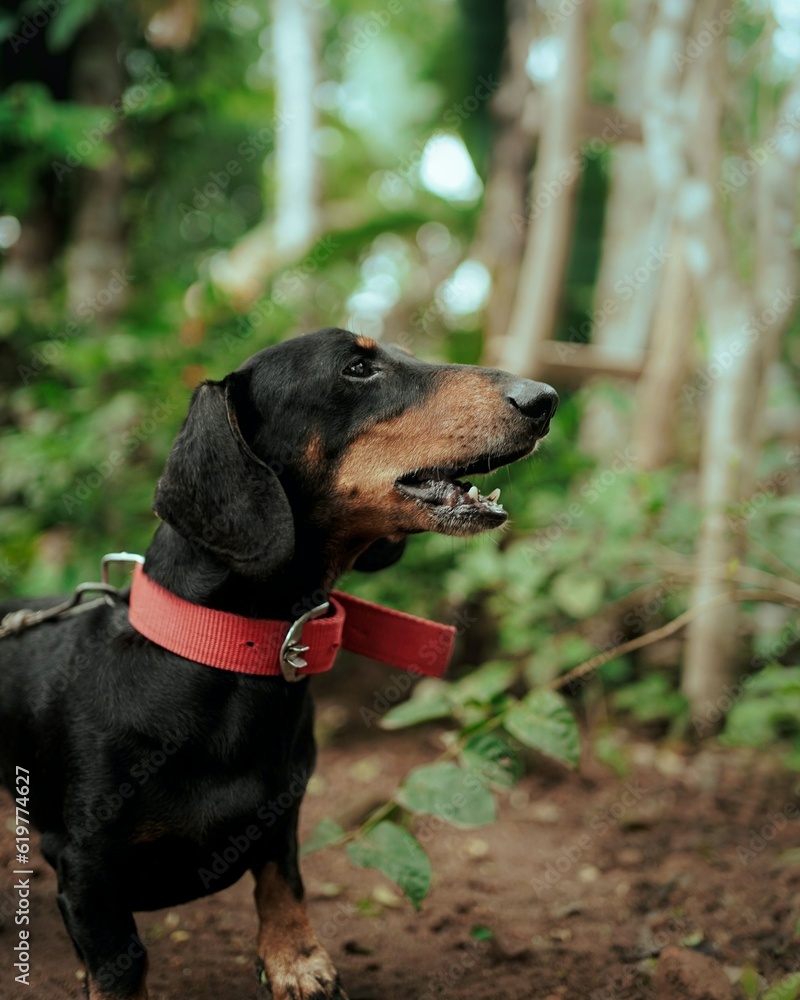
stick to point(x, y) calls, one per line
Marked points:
point(464, 418)
point(294, 960)
point(367, 343)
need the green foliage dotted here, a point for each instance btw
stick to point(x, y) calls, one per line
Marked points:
point(650, 699)
point(393, 851)
point(490, 756)
point(434, 699)
point(544, 722)
point(89, 406)
point(324, 834)
point(40, 132)
point(459, 792)
point(787, 988)
point(767, 711)
point(61, 30)
point(448, 791)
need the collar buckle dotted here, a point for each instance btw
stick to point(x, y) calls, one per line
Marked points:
point(290, 657)
point(112, 558)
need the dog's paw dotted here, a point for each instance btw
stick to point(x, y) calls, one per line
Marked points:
point(310, 976)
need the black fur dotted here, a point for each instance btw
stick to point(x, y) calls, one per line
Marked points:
point(156, 780)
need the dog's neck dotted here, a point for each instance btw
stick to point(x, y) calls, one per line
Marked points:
point(196, 575)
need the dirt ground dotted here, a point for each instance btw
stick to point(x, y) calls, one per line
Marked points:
point(578, 892)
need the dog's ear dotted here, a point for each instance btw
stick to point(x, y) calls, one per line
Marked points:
point(381, 554)
point(216, 492)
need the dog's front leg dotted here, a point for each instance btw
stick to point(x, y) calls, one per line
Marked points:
point(296, 964)
point(102, 928)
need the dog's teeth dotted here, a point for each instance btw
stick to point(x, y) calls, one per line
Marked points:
point(494, 496)
point(472, 493)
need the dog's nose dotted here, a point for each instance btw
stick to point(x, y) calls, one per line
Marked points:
point(535, 400)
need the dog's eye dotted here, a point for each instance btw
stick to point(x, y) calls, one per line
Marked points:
point(359, 369)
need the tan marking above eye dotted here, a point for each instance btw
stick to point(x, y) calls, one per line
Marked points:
point(366, 343)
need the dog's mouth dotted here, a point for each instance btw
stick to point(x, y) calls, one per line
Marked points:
point(458, 505)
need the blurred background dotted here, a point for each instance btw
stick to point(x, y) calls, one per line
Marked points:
point(599, 194)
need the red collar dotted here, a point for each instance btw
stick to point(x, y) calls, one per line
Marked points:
point(258, 645)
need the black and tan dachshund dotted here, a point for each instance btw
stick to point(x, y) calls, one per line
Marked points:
point(319, 454)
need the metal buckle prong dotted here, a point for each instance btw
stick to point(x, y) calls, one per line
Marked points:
point(291, 659)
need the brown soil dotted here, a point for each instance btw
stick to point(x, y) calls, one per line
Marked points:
point(583, 882)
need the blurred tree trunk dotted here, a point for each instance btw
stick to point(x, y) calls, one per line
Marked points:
point(628, 235)
point(668, 133)
point(96, 256)
point(624, 301)
point(295, 224)
point(745, 324)
point(500, 240)
point(296, 165)
point(555, 177)
point(658, 397)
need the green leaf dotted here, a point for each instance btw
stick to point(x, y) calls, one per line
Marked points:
point(544, 722)
point(652, 697)
point(490, 757)
point(786, 989)
point(325, 833)
point(579, 594)
point(748, 982)
point(393, 851)
point(485, 683)
point(481, 933)
point(446, 790)
point(68, 22)
point(428, 701)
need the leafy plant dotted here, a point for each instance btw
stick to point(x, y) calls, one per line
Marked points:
point(482, 760)
point(768, 711)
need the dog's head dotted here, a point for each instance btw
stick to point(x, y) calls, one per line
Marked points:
point(354, 442)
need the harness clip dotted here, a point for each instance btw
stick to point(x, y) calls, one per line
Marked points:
point(117, 557)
